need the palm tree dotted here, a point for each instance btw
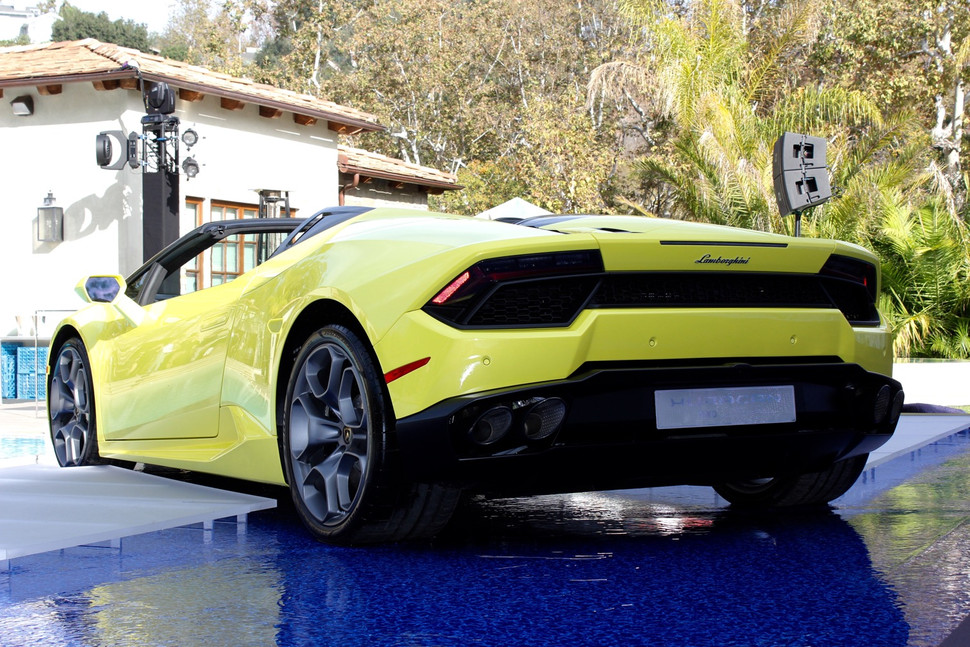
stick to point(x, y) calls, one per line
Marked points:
point(926, 267)
point(728, 97)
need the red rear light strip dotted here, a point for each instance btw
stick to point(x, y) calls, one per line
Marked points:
point(447, 293)
point(401, 371)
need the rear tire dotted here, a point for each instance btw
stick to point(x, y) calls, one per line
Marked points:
point(811, 488)
point(339, 455)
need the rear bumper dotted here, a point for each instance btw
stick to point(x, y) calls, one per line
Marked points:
point(609, 437)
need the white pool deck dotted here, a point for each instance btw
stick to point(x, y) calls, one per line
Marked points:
point(45, 508)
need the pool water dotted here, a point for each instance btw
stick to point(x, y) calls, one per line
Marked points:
point(16, 447)
point(887, 566)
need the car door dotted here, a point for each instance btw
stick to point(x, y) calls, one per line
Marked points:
point(164, 379)
point(162, 372)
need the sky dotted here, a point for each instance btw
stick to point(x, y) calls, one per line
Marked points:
point(153, 13)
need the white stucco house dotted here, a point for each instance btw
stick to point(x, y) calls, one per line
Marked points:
point(29, 22)
point(56, 98)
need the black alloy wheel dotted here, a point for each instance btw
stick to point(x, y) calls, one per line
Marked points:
point(336, 436)
point(70, 406)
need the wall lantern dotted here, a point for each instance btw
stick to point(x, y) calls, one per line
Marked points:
point(50, 221)
point(23, 106)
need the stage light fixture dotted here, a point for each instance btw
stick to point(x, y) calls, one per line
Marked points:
point(190, 138)
point(190, 167)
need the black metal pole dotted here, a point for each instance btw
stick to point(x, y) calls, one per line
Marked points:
point(160, 210)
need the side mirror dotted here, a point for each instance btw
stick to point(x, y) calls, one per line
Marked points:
point(801, 177)
point(100, 289)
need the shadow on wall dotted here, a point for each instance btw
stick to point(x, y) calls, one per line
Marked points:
point(94, 213)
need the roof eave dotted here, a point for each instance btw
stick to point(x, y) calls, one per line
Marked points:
point(351, 169)
point(359, 124)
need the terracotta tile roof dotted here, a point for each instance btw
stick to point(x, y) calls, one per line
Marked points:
point(354, 160)
point(92, 60)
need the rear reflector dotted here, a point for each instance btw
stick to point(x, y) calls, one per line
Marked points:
point(401, 371)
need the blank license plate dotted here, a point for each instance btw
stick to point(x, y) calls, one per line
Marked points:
point(743, 405)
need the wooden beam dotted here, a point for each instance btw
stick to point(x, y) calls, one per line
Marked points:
point(304, 120)
point(107, 84)
point(342, 129)
point(231, 104)
point(1, 93)
point(48, 90)
point(191, 95)
point(396, 185)
point(129, 84)
point(270, 113)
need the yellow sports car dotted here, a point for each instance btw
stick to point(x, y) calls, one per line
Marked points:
point(382, 361)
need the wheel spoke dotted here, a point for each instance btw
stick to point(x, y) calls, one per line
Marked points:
point(358, 449)
point(349, 398)
point(81, 390)
point(310, 428)
point(323, 479)
point(332, 394)
point(73, 367)
point(316, 371)
point(61, 401)
point(69, 439)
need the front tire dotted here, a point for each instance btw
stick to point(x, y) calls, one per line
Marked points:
point(339, 458)
point(70, 406)
point(811, 488)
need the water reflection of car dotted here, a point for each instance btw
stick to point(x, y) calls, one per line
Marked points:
point(382, 361)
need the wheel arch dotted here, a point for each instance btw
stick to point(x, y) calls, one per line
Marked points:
point(64, 333)
point(315, 315)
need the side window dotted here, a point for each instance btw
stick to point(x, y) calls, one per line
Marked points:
point(191, 216)
point(136, 286)
point(198, 262)
point(230, 257)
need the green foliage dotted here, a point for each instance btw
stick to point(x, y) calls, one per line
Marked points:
point(479, 88)
point(22, 39)
point(926, 279)
point(75, 24)
point(557, 164)
point(210, 34)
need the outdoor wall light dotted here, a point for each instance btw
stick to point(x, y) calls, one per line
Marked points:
point(23, 106)
point(50, 221)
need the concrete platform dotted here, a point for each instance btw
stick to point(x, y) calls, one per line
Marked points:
point(44, 507)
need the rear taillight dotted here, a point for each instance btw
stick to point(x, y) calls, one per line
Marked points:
point(460, 299)
point(852, 284)
point(852, 269)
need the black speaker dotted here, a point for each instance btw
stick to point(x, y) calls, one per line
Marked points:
point(801, 177)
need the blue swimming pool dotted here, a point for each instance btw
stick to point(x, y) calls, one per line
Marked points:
point(17, 447)
point(666, 567)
